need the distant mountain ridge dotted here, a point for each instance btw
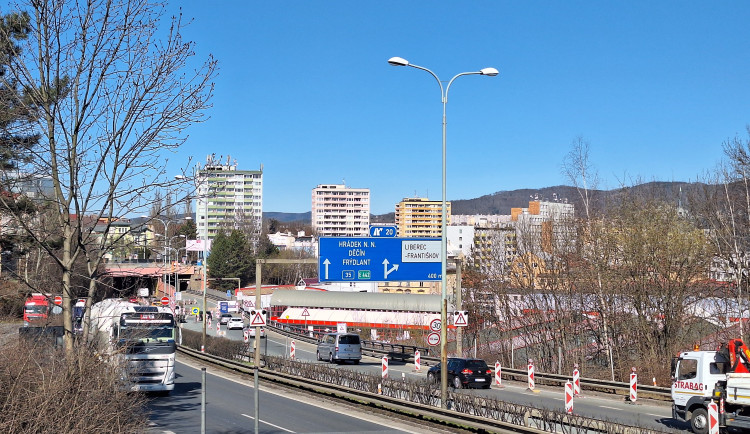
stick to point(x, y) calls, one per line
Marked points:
point(501, 202)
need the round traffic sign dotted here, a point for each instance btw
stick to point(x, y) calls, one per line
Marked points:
point(164, 301)
point(58, 299)
point(435, 325)
point(433, 339)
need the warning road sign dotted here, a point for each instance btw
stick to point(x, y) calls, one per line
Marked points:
point(259, 319)
point(305, 312)
point(461, 318)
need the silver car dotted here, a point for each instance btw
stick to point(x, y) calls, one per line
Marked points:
point(338, 347)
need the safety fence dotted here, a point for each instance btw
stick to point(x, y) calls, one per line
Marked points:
point(405, 353)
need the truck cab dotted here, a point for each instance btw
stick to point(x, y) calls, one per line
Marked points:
point(696, 374)
point(700, 377)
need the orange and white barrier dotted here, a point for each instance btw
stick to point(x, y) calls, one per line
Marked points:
point(292, 351)
point(385, 366)
point(568, 397)
point(531, 374)
point(417, 360)
point(713, 418)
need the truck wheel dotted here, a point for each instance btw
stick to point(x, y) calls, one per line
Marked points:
point(318, 354)
point(699, 421)
point(330, 358)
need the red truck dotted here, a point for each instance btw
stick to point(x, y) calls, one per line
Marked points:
point(38, 309)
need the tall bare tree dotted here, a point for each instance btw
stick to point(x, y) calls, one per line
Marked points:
point(112, 90)
point(577, 167)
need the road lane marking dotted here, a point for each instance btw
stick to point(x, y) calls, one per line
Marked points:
point(609, 408)
point(267, 423)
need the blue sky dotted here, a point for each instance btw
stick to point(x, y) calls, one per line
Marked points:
point(304, 88)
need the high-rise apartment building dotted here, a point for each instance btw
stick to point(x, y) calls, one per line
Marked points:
point(421, 218)
point(340, 211)
point(228, 198)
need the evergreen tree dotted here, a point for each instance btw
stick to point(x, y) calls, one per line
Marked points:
point(230, 258)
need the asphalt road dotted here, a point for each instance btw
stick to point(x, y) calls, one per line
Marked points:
point(230, 409)
point(646, 413)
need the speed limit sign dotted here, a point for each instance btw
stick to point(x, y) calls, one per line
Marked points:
point(435, 325)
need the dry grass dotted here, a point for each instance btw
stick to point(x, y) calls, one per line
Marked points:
point(46, 392)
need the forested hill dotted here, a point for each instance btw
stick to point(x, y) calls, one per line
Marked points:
point(501, 202)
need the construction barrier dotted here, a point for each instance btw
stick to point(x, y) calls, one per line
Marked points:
point(633, 386)
point(531, 374)
point(498, 373)
point(292, 351)
point(218, 328)
point(576, 380)
point(713, 418)
point(245, 336)
point(568, 397)
point(385, 366)
point(417, 360)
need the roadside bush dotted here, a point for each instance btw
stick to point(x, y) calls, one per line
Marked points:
point(45, 391)
point(221, 347)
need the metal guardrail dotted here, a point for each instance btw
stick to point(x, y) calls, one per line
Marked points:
point(418, 400)
point(592, 384)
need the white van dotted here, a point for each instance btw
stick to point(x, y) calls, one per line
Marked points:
point(338, 347)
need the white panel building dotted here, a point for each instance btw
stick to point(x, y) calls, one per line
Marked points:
point(340, 211)
point(228, 198)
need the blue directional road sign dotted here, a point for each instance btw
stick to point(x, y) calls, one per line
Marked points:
point(352, 259)
point(380, 231)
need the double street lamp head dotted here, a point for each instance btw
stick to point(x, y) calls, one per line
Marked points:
point(400, 61)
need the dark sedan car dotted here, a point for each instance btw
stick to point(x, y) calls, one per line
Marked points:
point(464, 373)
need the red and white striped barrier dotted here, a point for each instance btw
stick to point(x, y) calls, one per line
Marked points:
point(218, 328)
point(209, 321)
point(292, 350)
point(576, 381)
point(633, 386)
point(531, 374)
point(713, 418)
point(417, 360)
point(568, 397)
point(245, 336)
point(385, 366)
point(498, 374)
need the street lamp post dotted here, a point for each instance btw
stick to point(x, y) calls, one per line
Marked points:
point(491, 72)
point(170, 252)
point(165, 224)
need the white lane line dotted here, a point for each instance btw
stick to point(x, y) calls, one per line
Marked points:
point(267, 423)
point(609, 408)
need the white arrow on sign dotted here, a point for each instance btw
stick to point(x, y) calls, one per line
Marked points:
point(386, 271)
point(326, 263)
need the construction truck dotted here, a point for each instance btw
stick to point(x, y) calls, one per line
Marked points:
point(721, 377)
point(140, 340)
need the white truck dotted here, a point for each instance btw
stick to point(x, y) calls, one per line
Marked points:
point(141, 340)
point(723, 376)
